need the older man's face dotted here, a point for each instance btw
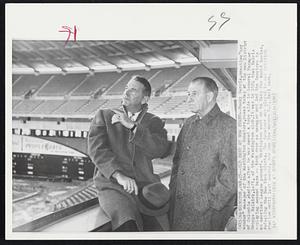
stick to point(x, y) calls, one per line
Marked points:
point(133, 94)
point(197, 97)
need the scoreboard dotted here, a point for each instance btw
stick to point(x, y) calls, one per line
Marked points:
point(33, 156)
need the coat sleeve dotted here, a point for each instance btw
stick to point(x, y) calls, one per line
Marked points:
point(176, 159)
point(225, 186)
point(151, 138)
point(99, 148)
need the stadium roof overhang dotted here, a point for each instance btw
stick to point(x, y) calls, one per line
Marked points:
point(57, 57)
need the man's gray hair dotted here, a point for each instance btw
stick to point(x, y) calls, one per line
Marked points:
point(209, 84)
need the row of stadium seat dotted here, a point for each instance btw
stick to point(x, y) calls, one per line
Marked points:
point(112, 83)
point(86, 107)
point(167, 105)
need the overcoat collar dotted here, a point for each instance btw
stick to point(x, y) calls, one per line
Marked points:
point(141, 114)
point(210, 115)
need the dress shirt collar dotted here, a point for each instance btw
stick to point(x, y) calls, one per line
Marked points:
point(134, 116)
point(210, 115)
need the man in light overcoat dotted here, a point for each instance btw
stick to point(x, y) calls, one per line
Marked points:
point(121, 143)
point(203, 183)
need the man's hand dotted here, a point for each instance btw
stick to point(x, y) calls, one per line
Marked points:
point(128, 184)
point(124, 119)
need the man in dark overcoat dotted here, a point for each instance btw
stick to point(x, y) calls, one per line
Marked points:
point(122, 143)
point(204, 174)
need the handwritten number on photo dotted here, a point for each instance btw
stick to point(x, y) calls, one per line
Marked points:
point(214, 22)
point(70, 31)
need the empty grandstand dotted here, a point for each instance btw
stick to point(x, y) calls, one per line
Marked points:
point(25, 83)
point(47, 107)
point(167, 77)
point(196, 71)
point(91, 106)
point(97, 82)
point(70, 107)
point(26, 106)
point(15, 78)
point(118, 87)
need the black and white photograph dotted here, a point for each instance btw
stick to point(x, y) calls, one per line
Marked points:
point(150, 121)
point(124, 135)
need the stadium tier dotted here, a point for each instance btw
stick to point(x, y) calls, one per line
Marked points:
point(112, 103)
point(26, 83)
point(119, 87)
point(232, 72)
point(15, 102)
point(169, 105)
point(61, 85)
point(165, 105)
point(109, 85)
point(156, 102)
point(15, 78)
point(70, 107)
point(220, 74)
point(196, 71)
point(26, 106)
point(180, 108)
point(48, 107)
point(168, 76)
point(97, 82)
point(90, 107)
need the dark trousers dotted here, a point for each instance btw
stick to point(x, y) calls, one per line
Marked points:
point(130, 225)
point(149, 224)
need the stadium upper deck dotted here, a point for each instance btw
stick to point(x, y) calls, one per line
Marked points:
point(78, 94)
point(75, 80)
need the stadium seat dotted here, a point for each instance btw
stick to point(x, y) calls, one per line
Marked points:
point(48, 107)
point(169, 105)
point(112, 103)
point(119, 87)
point(168, 76)
point(15, 102)
point(29, 82)
point(15, 78)
point(90, 107)
point(61, 85)
point(197, 71)
point(155, 102)
point(96, 82)
point(176, 79)
point(70, 107)
point(26, 106)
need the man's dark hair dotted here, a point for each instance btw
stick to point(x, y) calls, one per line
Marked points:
point(145, 82)
point(209, 84)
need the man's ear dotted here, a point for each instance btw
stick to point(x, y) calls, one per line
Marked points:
point(210, 96)
point(145, 99)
